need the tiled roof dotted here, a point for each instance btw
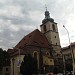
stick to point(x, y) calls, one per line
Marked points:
point(73, 44)
point(68, 47)
point(35, 38)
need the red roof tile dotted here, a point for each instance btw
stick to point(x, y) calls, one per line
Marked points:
point(35, 38)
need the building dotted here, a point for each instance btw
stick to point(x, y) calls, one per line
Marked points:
point(45, 44)
point(4, 62)
point(33, 44)
point(50, 30)
point(6, 70)
point(67, 56)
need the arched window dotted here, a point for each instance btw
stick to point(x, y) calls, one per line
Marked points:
point(47, 53)
point(44, 28)
point(53, 27)
point(35, 55)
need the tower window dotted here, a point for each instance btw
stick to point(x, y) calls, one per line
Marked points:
point(55, 36)
point(44, 28)
point(53, 27)
point(56, 43)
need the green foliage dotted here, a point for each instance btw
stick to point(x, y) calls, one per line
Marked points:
point(69, 67)
point(1, 58)
point(55, 70)
point(28, 65)
point(4, 58)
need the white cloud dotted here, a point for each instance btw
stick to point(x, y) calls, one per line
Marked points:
point(11, 11)
point(37, 18)
point(19, 17)
point(14, 28)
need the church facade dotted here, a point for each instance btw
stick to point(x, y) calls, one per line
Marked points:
point(44, 44)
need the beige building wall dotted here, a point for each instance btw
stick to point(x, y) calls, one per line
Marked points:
point(16, 67)
point(53, 38)
point(48, 61)
point(52, 35)
point(48, 27)
point(6, 70)
point(57, 49)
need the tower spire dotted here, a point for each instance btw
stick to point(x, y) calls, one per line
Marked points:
point(47, 16)
point(46, 7)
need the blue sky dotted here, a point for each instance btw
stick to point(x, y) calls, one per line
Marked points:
point(20, 17)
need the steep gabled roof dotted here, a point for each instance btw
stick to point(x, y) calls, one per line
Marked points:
point(35, 38)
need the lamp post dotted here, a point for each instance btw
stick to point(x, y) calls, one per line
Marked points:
point(70, 48)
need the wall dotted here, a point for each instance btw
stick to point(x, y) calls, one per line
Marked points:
point(48, 61)
point(6, 70)
point(16, 67)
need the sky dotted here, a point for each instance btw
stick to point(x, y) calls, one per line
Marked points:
point(20, 17)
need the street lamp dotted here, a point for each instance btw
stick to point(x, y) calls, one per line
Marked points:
point(70, 48)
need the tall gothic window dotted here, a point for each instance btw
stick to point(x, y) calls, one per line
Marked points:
point(35, 55)
point(44, 28)
point(53, 27)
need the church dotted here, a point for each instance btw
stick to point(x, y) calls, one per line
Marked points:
point(44, 45)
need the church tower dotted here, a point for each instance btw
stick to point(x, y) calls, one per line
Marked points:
point(49, 28)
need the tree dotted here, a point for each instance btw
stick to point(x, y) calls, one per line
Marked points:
point(28, 65)
point(68, 65)
point(55, 70)
point(1, 58)
point(4, 58)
